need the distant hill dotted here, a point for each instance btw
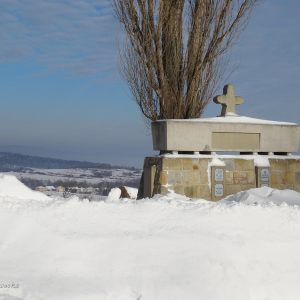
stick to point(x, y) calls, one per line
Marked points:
point(10, 160)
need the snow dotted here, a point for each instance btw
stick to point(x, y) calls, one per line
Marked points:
point(265, 195)
point(232, 119)
point(262, 160)
point(167, 247)
point(259, 160)
point(216, 162)
point(132, 192)
point(115, 193)
point(10, 186)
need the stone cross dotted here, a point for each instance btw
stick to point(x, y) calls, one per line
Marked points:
point(229, 100)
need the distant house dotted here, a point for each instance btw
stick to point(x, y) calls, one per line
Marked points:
point(50, 188)
point(60, 189)
point(81, 190)
point(41, 189)
point(90, 190)
point(73, 189)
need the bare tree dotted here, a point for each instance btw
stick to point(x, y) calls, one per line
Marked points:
point(69, 183)
point(175, 52)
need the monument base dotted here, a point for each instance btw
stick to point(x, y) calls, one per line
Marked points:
point(213, 177)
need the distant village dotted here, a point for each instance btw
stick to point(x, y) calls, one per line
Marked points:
point(50, 176)
point(73, 190)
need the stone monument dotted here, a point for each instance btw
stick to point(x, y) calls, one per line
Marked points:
point(188, 163)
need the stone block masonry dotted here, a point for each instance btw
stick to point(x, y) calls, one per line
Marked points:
point(191, 175)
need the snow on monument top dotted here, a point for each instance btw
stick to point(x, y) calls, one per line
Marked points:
point(232, 118)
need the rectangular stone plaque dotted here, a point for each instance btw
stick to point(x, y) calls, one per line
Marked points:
point(219, 190)
point(264, 175)
point(235, 141)
point(218, 182)
point(218, 175)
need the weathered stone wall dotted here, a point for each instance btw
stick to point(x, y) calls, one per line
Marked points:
point(240, 175)
point(285, 174)
point(191, 176)
point(185, 176)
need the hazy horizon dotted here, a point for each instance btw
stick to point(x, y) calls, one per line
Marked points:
point(61, 92)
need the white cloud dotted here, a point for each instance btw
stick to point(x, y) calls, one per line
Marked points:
point(76, 36)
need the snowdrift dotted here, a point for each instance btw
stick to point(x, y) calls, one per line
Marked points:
point(265, 195)
point(10, 186)
point(167, 247)
point(115, 193)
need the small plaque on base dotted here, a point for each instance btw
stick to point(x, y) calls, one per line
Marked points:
point(219, 190)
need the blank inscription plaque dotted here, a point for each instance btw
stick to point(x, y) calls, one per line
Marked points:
point(235, 141)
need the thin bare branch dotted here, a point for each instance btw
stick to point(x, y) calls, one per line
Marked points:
point(176, 52)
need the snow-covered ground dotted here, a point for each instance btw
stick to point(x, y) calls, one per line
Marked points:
point(165, 248)
point(90, 175)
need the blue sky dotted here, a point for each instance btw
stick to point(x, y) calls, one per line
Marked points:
point(61, 95)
